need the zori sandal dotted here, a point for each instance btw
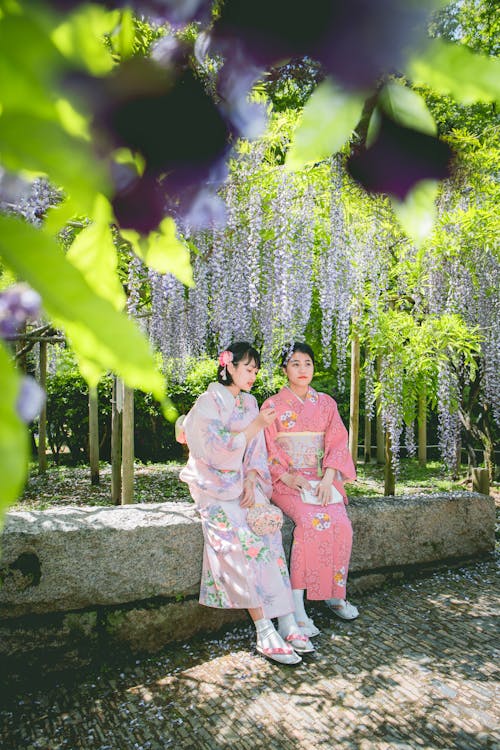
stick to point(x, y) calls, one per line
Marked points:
point(308, 628)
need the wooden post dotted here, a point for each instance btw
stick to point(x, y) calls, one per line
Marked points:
point(116, 440)
point(380, 426)
point(354, 403)
point(42, 419)
point(422, 429)
point(94, 435)
point(389, 478)
point(368, 440)
point(128, 446)
point(480, 481)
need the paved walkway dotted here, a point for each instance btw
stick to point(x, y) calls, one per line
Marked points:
point(417, 670)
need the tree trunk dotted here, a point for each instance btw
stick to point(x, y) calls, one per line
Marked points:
point(380, 426)
point(128, 446)
point(42, 419)
point(116, 440)
point(354, 405)
point(94, 435)
point(422, 429)
point(389, 477)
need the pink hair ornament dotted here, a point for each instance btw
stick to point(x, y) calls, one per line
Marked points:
point(225, 358)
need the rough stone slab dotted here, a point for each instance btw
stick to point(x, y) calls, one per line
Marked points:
point(71, 558)
point(391, 532)
point(68, 559)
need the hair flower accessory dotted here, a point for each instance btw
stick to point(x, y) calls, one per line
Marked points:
point(225, 358)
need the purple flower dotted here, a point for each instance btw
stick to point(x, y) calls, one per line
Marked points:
point(398, 159)
point(356, 42)
point(18, 303)
point(139, 204)
point(164, 114)
point(30, 399)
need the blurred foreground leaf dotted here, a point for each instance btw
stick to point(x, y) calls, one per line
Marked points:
point(102, 338)
point(13, 435)
point(417, 213)
point(327, 123)
point(163, 251)
point(454, 69)
point(93, 252)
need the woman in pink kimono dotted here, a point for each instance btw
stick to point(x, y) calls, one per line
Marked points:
point(227, 473)
point(309, 461)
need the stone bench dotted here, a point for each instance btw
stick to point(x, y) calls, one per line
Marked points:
point(76, 582)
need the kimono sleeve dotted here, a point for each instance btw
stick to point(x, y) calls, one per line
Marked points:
point(278, 460)
point(209, 439)
point(337, 455)
point(256, 456)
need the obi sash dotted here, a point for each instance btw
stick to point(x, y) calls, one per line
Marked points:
point(304, 449)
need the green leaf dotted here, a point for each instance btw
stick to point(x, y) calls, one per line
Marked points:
point(123, 37)
point(417, 213)
point(28, 63)
point(80, 37)
point(102, 338)
point(327, 123)
point(32, 143)
point(93, 252)
point(407, 108)
point(454, 69)
point(14, 443)
point(163, 251)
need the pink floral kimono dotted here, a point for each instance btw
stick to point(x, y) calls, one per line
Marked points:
point(308, 436)
point(240, 569)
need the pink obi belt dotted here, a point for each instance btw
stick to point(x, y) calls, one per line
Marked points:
point(304, 449)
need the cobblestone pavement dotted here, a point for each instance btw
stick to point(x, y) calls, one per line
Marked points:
point(417, 670)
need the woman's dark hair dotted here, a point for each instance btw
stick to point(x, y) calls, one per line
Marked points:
point(241, 351)
point(295, 346)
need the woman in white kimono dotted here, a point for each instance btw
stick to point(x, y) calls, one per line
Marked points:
point(227, 473)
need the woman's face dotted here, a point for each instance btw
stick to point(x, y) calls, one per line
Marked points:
point(243, 374)
point(299, 370)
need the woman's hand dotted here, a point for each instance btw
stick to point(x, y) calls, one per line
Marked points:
point(295, 481)
point(266, 417)
point(324, 491)
point(248, 496)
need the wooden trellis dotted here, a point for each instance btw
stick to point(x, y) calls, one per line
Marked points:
point(122, 421)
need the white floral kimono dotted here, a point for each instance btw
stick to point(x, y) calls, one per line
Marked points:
point(240, 569)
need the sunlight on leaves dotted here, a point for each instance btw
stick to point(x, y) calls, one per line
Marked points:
point(93, 252)
point(407, 108)
point(163, 251)
point(327, 123)
point(80, 38)
point(417, 213)
point(454, 69)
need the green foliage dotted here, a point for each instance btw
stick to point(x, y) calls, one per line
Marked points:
point(68, 421)
point(13, 435)
point(415, 349)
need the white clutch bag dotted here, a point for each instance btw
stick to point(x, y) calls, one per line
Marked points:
point(309, 496)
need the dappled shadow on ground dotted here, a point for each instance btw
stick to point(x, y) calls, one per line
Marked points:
point(417, 669)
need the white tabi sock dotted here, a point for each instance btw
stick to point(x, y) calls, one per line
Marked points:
point(287, 624)
point(334, 602)
point(298, 601)
point(262, 625)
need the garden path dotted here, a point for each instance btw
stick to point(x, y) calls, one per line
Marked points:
point(418, 669)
